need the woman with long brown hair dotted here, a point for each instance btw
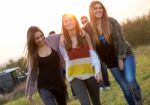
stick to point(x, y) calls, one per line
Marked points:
point(79, 56)
point(114, 51)
point(43, 70)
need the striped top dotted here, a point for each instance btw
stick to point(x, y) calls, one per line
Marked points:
point(78, 63)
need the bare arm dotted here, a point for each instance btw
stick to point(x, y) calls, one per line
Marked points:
point(89, 42)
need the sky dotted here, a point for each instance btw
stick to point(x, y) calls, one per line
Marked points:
point(16, 16)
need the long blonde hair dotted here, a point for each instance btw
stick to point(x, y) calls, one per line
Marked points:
point(67, 39)
point(104, 23)
point(31, 53)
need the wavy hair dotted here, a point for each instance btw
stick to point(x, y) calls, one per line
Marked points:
point(104, 23)
point(31, 53)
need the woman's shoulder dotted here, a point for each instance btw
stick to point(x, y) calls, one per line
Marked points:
point(53, 37)
point(114, 24)
point(113, 20)
point(87, 27)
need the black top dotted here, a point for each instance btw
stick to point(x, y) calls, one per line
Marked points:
point(49, 71)
point(106, 52)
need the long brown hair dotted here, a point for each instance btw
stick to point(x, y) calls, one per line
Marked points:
point(67, 39)
point(31, 53)
point(104, 23)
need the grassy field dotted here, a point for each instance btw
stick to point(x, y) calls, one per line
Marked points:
point(113, 96)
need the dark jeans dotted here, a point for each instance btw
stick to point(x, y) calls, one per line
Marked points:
point(85, 88)
point(52, 96)
point(73, 93)
point(127, 80)
point(63, 74)
point(104, 71)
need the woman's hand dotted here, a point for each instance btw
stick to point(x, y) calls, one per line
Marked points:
point(98, 77)
point(29, 98)
point(120, 64)
point(83, 33)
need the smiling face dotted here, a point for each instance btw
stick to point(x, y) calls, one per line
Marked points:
point(39, 38)
point(69, 23)
point(98, 10)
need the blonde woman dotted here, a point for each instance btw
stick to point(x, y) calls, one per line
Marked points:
point(79, 56)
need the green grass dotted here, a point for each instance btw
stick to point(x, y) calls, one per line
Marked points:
point(113, 96)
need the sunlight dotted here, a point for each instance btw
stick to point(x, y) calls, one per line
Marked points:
point(17, 16)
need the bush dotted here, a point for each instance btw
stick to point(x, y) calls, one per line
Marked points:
point(137, 31)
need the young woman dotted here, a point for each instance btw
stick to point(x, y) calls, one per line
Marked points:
point(79, 56)
point(114, 51)
point(44, 70)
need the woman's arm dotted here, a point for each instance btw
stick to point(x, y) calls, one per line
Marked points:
point(31, 82)
point(121, 42)
point(122, 45)
point(62, 49)
point(96, 64)
point(95, 60)
point(88, 39)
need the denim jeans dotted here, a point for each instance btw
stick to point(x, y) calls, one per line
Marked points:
point(127, 80)
point(104, 71)
point(52, 96)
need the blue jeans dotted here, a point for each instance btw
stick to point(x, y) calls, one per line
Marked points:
point(127, 80)
point(52, 96)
